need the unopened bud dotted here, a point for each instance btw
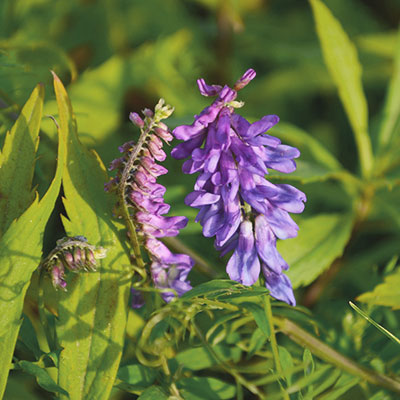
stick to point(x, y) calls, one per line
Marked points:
point(163, 133)
point(148, 113)
point(57, 276)
point(245, 79)
point(135, 118)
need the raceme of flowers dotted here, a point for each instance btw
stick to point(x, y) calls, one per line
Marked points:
point(244, 211)
point(74, 254)
point(136, 178)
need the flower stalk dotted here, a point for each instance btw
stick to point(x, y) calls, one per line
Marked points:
point(326, 353)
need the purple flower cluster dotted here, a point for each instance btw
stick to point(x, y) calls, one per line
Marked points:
point(245, 212)
point(137, 173)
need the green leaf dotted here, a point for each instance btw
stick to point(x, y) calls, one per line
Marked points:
point(391, 113)
point(287, 364)
point(20, 254)
point(42, 377)
point(309, 147)
point(137, 375)
point(307, 381)
point(216, 286)
point(153, 393)
point(341, 59)
point(200, 358)
point(259, 316)
point(92, 314)
point(374, 323)
point(309, 365)
point(320, 241)
point(344, 384)
point(386, 293)
point(17, 160)
point(202, 388)
point(27, 336)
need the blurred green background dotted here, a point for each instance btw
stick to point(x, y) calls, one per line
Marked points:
point(117, 56)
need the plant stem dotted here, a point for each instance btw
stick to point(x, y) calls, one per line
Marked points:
point(330, 355)
point(274, 344)
point(133, 238)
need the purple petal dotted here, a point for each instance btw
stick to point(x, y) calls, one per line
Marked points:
point(185, 149)
point(244, 265)
point(262, 126)
point(200, 198)
point(208, 90)
point(288, 198)
point(248, 76)
point(280, 222)
point(279, 286)
point(266, 246)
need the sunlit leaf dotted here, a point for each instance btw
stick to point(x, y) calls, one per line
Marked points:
point(18, 259)
point(391, 113)
point(341, 58)
point(386, 293)
point(17, 160)
point(92, 314)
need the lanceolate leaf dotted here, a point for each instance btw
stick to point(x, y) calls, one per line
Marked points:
point(93, 312)
point(320, 241)
point(20, 253)
point(391, 116)
point(341, 58)
point(17, 160)
point(308, 146)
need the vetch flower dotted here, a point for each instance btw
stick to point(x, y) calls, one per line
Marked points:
point(74, 254)
point(141, 197)
point(243, 210)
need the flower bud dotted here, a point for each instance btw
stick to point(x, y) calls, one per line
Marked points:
point(163, 133)
point(57, 276)
point(135, 118)
point(148, 113)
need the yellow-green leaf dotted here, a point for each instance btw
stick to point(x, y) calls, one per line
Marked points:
point(341, 59)
point(386, 293)
point(92, 314)
point(18, 160)
point(20, 254)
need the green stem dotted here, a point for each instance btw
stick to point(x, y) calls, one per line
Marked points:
point(274, 344)
point(365, 153)
point(329, 355)
point(122, 187)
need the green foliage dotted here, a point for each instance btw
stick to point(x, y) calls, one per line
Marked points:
point(386, 293)
point(320, 241)
point(18, 160)
point(92, 314)
point(341, 59)
point(221, 340)
point(19, 258)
